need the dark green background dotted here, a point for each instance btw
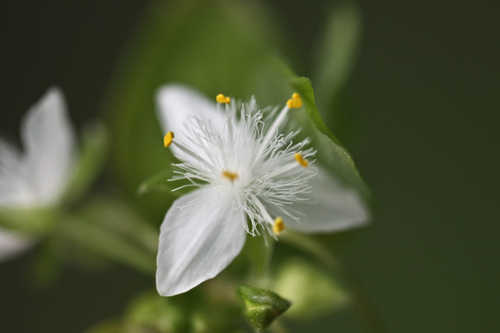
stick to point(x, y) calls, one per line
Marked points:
point(425, 94)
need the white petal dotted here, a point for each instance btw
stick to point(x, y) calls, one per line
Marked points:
point(15, 189)
point(331, 207)
point(11, 244)
point(176, 104)
point(49, 144)
point(200, 235)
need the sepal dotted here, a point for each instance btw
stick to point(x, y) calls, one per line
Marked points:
point(261, 306)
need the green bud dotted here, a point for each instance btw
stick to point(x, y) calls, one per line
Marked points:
point(262, 306)
point(312, 291)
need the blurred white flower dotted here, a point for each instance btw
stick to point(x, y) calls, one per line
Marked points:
point(242, 167)
point(37, 176)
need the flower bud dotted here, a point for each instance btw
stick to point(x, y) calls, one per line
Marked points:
point(262, 306)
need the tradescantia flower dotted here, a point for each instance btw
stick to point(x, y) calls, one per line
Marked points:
point(36, 177)
point(249, 178)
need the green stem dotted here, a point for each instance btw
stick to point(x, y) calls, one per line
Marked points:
point(260, 251)
point(364, 306)
point(309, 245)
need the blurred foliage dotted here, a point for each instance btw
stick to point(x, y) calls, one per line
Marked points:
point(150, 313)
point(335, 58)
point(35, 221)
point(109, 326)
point(313, 292)
point(93, 153)
point(160, 183)
point(101, 231)
point(108, 228)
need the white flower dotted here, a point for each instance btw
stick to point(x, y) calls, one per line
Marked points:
point(37, 176)
point(249, 178)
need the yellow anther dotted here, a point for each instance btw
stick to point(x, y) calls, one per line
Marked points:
point(167, 139)
point(278, 225)
point(301, 160)
point(232, 176)
point(295, 102)
point(221, 99)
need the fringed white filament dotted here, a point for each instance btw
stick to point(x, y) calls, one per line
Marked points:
point(269, 178)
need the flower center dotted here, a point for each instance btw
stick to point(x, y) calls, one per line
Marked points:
point(266, 171)
point(232, 176)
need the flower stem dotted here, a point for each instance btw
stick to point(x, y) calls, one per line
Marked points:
point(310, 245)
point(260, 255)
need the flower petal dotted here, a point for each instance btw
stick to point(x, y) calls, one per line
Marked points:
point(176, 103)
point(11, 244)
point(331, 207)
point(200, 235)
point(15, 189)
point(49, 144)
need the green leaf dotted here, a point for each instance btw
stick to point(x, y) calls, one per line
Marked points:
point(330, 151)
point(336, 55)
point(90, 162)
point(337, 52)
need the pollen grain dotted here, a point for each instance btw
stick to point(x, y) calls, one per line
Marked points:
point(232, 176)
point(221, 99)
point(278, 225)
point(295, 102)
point(301, 160)
point(167, 139)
